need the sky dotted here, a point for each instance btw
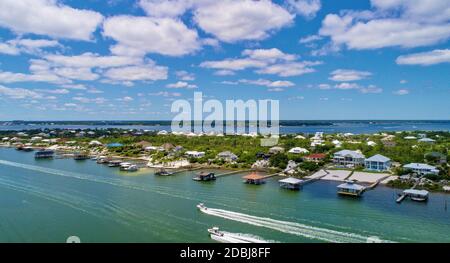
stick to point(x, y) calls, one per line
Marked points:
point(130, 59)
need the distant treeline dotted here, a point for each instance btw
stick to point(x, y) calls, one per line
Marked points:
point(168, 122)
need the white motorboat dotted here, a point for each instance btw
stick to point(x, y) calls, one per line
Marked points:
point(227, 237)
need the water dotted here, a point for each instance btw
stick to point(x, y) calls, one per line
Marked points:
point(50, 200)
point(356, 127)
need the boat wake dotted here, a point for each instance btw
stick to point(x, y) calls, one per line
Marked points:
point(294, 228)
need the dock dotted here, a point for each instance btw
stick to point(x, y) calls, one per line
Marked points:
point(234, 172)
point(316, 178)
point(186, 170)
point(404, 195)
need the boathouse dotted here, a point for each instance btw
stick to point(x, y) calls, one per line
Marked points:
point(291, 183)
point(350, 188)
point(253, 179)
point(204, 176)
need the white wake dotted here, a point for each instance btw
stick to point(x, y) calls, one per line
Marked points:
point(294, 228)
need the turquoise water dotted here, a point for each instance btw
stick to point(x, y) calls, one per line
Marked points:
point(50, 200)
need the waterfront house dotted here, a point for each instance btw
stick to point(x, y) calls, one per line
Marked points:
point(194, 154)
point(348, 158)
point(276, 149)
point(421, 168)
point(290, 167)
point(253, 178)
point(298, 150)
point(351, 189)
point(378, 163)
point(227, 156)
point(291, 183)
point(315, 157)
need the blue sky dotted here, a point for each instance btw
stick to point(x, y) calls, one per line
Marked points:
point(130, 59)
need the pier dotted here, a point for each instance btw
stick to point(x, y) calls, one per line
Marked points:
point(404, 195)
point(187, 169)
point(234, 172)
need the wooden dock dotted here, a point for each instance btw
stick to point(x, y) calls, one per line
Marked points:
point(187, 169)
point(234, 172)
point(403, 196)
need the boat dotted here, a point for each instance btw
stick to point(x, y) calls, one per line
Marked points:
point(227, 237)
point(44, 154)
point(128, 167)
point(80, 156)
point(163, 172)
point(102, 160)
point(114, 163)
point(28, 149)
point(202, 207)
point(204, 176)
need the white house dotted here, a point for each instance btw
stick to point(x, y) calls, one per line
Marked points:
point(348, 157)
point(298, 150)
point(377, 162)
point(162, 132)
point(195, 154)
point(227, 156)
point(421, 168)
point(426, 140)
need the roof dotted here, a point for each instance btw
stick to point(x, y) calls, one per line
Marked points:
point(426, 140)
point(316, 156)
point(416, 192)
point(253, 176)
point(351, 185)
point(115, 144)
point(378, 158)
point(353, 154)
point(419, 166)
point(298, 149)
point(291, 180)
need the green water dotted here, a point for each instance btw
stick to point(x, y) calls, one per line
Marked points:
point(50, 200)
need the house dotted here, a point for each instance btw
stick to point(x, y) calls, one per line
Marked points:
point(371, 143)
point(348, 158)
point(195, 154)
point(95, 143)
point(162, 132)
point(436, 157)
point(315, 157)
point(336, 143)
point(168, 146)
point(421, 168)
point(290, 168)
point(298, 150)
point(276, 149)
point(377, 162)
point(227, 156)
point(426, 140)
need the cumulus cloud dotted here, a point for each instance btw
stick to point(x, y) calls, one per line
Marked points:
point(348, 75)
point(428, 58)
point(165, 8)
point(137, 36)
point(263, 61)
point(236, 20)
point(305, 8)
point(146, 72)
point(48, 17)
point(19, 93)
point(401, 92)
point(184, 75)
point(268, 83)
point(181, 85)
point(31, 46)
point(390, 23)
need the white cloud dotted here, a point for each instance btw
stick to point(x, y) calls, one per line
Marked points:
point(236, 20)
point(309, 39)
point(264, 61)
point(184, 75)
point(268, 83)
point(425, 58)
point(390, 23)
point(347, 86)
point(166, 94)
point(89, 60)
point(348, 75)
point(48, 17)
point(165, 8)
point(137, 36)
point(324, 86)
point(31, 46)
point(403, 81)
point(54, 91)
point(181, 85)
point(8, 49)
point(371, 89)
point(401, 92)
point(305, 8)
point(147, 72)
point(289, 69)
point(19, 93)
